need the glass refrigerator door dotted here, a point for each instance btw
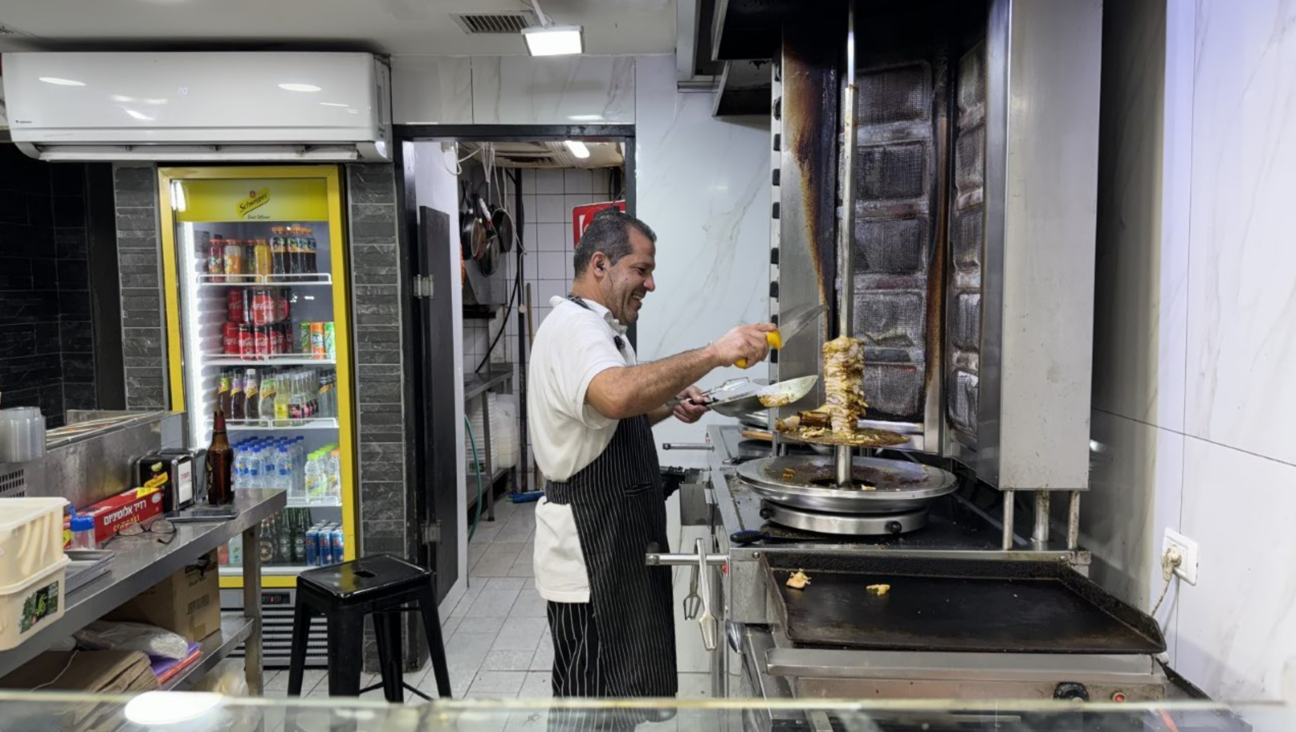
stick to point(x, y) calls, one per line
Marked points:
point(258, 330)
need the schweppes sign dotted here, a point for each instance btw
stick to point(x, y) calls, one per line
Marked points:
point(255, 200)
point(290, 200)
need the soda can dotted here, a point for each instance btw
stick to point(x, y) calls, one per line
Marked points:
point(312, 546)
point(317, 341)
point(327, 544)
point(232, 345)
point(261, 340)
point(303, 338)
point(330, 341)
point(247, 341)
point(234, 305)
point(276, 340)
point(339, 547)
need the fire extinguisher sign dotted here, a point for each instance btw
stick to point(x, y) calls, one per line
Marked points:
point(583, 215)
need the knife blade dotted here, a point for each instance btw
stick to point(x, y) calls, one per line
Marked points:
point(794, 322)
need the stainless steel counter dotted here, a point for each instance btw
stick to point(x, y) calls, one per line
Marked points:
point(142, 561)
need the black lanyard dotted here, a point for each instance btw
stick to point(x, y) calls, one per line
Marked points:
point(620, 343)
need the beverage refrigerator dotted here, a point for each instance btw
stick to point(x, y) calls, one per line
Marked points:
point(258, 326)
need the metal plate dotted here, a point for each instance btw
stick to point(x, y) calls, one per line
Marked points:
point(956, 605)
point(898, 486)
point(864, 437)
point(848, 524)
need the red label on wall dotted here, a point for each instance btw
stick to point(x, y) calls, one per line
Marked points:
point(583, 215)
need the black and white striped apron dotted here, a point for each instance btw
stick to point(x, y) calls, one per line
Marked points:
point(622, 643)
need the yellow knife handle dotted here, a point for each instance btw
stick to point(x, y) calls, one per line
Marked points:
point(775, 341)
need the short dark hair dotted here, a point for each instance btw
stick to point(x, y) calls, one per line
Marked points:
point(609, 233)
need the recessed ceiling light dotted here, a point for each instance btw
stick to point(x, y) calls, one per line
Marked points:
point(299, 87)
point(577, 148)
point(555, 40)
point(585, 117)
point(61, 82)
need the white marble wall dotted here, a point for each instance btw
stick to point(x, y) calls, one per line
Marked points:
point(432, 90)
point(1197, 279)
point(513, 90)
point(703, 185)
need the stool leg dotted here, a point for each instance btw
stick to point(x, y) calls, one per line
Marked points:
point(436, 646)
point(387, 626)
point(346, 653)
point(301, 634)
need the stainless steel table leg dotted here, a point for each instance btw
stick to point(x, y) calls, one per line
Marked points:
point(486, 457)
point(1043, 501)
point(252, 607)
point(1008, 515)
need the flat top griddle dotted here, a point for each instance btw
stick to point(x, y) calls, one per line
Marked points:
point(955, 605)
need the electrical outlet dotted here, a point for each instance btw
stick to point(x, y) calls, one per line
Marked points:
point(1187, 549)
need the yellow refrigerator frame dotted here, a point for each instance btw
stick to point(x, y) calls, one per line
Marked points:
point(341, 314)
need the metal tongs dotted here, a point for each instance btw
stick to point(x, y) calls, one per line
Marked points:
point(729, 387)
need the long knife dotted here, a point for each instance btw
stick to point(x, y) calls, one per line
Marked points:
point(789, 325)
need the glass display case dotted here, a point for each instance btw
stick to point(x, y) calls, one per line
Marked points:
point(199, 712)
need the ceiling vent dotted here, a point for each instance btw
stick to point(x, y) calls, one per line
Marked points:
point(475, 24)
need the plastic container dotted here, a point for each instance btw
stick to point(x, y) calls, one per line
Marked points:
point(83, 532)
point(31, 537)
point(27, 607)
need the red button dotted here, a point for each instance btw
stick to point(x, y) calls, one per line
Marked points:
point(1118, 697)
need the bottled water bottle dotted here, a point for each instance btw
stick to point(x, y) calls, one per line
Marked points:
point(313, 476)
point(283, 471)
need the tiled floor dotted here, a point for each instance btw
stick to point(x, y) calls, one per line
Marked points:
point(497, 637)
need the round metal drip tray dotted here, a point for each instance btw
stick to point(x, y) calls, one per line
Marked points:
point(845, 524)
point(880, 486)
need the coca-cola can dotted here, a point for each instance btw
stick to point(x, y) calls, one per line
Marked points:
point(232, 346)
point(262, 307)
point(261, 336)
point(247, 343)
point(234, 305)
point(276, 340)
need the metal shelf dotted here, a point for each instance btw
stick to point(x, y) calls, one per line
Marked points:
point(273, 425)
point(269, 570)
point(322, 279)
point(214, 648)
point(285, 359)
point(299, 503)
point(475, 384)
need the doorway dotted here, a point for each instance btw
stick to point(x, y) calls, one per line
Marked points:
point(476, 296)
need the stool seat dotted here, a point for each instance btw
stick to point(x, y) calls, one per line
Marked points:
point(359, 579)
point(344, 594)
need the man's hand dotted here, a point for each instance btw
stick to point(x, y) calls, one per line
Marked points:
point(744, 342)
point(689, 411)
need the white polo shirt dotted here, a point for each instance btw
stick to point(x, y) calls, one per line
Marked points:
point(572, 346)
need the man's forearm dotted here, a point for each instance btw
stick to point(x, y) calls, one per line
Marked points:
point(660, 414)
point(634, 390)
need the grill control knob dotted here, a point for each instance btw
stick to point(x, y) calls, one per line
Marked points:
point(1071, 691)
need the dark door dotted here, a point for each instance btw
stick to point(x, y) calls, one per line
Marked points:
point(434, 407)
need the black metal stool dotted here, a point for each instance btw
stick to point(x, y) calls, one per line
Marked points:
point(344, 594)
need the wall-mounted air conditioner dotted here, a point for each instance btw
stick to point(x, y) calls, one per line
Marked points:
point(208, 106)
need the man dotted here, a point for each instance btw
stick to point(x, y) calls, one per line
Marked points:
point(591, 408)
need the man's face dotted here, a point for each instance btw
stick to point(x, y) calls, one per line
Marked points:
point(630, 279)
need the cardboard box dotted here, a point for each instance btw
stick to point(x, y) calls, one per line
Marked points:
point(110, 515)
point(187, 602)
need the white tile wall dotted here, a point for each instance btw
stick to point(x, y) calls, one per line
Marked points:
point(1194, 352)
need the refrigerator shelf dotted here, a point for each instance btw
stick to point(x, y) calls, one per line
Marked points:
point(322, 279)
point(283, 359)
point(272, 425)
